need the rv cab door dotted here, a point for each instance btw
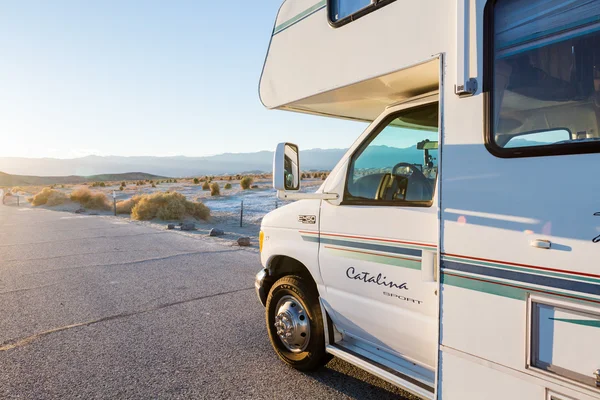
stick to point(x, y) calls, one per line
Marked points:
point(378, 245)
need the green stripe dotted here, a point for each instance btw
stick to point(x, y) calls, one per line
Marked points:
point(298, 17)
point(501, 289)
point(370, 241)
point(484, 287)
point(521, 269)
point(584, 322)
point(382, 242)
point(411, 264)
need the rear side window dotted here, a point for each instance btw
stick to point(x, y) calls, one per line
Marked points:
point(545, 93)
point(340, 9)
point(343, 11)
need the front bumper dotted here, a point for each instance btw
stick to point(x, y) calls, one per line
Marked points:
point(259, 285)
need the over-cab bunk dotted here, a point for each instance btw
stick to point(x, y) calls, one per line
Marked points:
point(318, 63)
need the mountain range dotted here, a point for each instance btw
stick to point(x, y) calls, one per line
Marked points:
point(180, 166)
point(177, 166)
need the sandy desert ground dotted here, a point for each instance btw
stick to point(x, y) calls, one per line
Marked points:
point(225, 208)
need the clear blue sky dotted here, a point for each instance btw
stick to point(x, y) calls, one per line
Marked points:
point(143, 77)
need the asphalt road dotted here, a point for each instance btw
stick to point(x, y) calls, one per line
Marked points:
point(94, 307)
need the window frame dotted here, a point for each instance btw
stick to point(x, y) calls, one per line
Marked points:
point(489, 53)
point(368, 140)
point(375, 5)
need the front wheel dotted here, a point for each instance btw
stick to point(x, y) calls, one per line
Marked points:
point(295, 323)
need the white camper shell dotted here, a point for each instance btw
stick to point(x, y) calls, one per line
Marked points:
point(455, 249)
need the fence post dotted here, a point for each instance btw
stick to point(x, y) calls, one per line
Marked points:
point(242, 214)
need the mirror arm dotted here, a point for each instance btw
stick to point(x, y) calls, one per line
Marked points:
point(283, 195)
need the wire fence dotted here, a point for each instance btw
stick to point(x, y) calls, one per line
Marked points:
point(10, 199)
point(256, 210)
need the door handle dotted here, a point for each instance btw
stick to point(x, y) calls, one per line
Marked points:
point(541, 244)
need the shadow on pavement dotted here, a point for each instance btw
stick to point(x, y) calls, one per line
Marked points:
point(352, 382)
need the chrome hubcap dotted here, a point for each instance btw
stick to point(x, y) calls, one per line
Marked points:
point(292, 324)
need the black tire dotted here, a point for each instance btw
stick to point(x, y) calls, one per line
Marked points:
point(314, 355)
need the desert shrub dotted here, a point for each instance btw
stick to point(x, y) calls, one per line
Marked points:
point(123, 184)
point(49, 197)
point(228, 186)
point(97, 201)
point(196, 181)
point(215, 190)
point(153, 185)
point(167, 206)
point(89, 199)
point(121, 188)
point(81, 195)
point(8, 194)
point(206, 185)
point(246, 182)
point(56, 198)
point(98, 184)
point(126, 206)
point(230, 178)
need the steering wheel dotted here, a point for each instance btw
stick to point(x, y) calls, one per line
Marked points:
point(417, 178)
point(416, 172)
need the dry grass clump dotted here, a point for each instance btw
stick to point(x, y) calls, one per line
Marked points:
point(126, 206)
point(28, 189)
point(215, 190)
point(206, 185)
point(89, 199)
point(246, 182)
point(57, 198)
point(48, 197)
point(168, 206)
point(228, 186)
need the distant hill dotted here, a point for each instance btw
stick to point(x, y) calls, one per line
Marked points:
point(23, 180)
point(180, 166)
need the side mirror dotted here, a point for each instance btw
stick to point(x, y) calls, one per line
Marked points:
point(286, 167)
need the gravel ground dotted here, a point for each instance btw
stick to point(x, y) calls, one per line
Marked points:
point(99, 307)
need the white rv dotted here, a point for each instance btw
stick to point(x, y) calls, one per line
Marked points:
point(455, 249)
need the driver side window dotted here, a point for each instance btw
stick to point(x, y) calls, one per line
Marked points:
point(398, 164)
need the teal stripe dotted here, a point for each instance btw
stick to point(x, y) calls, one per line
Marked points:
point(379, 259)
point(299, 17)
point(584, 322)
point(351, 242)
point(501, 289)
point(521, 269)
point(382, 242)
point(314, 239)
point(484, 287)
